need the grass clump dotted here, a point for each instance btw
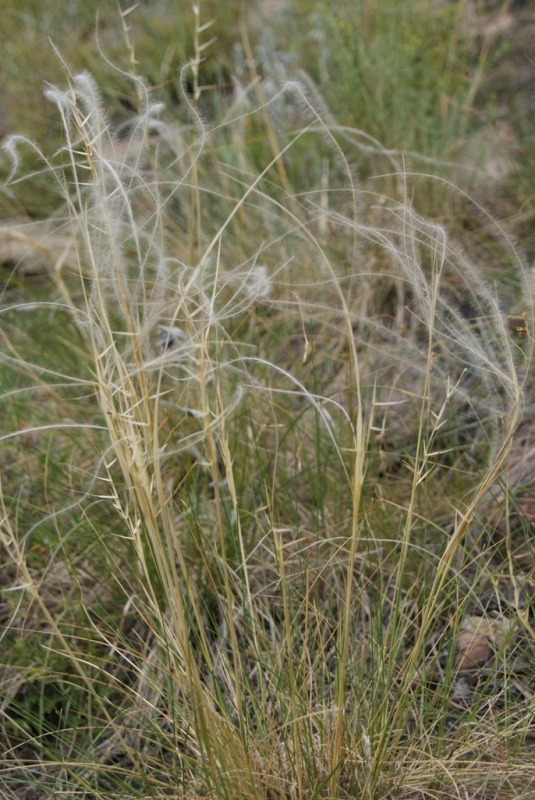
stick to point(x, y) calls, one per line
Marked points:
point(268, 418)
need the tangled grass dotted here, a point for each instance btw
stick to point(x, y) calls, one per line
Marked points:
point(250, 431)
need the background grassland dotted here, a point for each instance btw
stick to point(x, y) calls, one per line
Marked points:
point(267, 414)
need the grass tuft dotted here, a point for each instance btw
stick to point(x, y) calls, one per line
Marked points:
point(254, 424)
